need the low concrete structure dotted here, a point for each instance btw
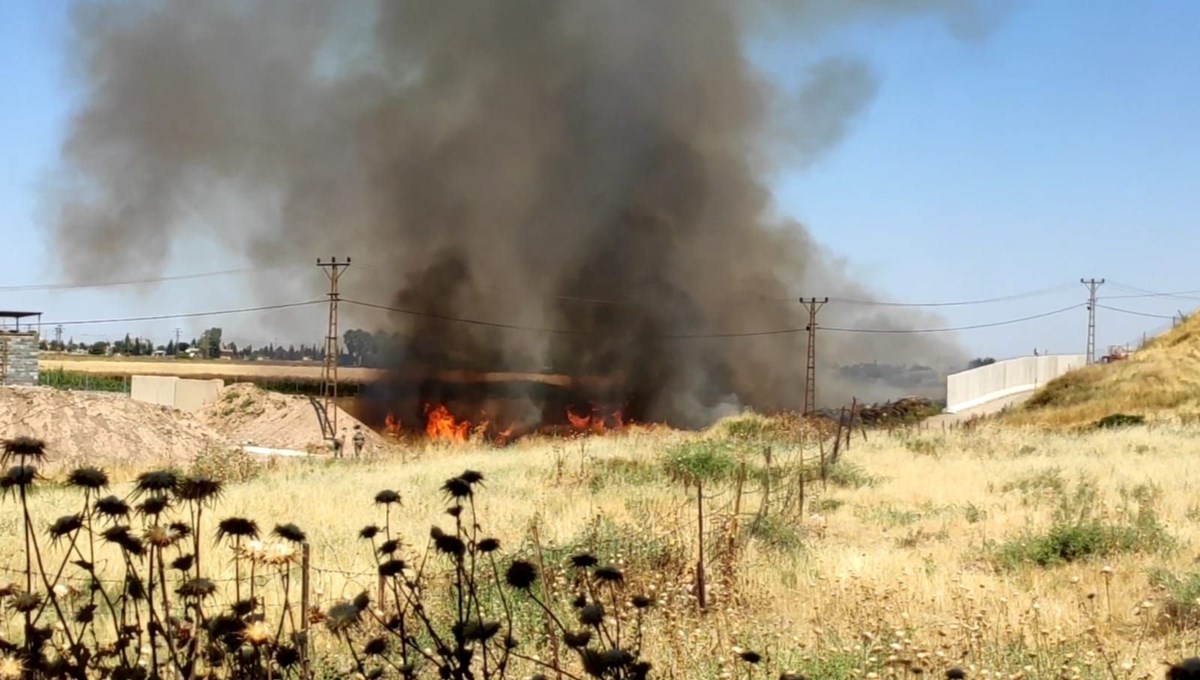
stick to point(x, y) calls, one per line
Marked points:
point(978, 386)
point(20, 348)
point(178, 393)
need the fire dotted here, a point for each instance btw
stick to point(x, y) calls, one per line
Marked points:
point(391, 425)
point(441, 424)
point(596, 422)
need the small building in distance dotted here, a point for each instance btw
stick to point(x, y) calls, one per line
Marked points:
point(19, 348)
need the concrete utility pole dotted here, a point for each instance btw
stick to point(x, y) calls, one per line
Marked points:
point(813, 305)
point(1092, 286)
point(58, 337)
point(329, 369)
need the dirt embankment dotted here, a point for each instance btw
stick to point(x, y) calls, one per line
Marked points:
point(247, 414)
point(109, 431)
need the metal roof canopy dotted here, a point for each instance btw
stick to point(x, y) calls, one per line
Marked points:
point(17, 316)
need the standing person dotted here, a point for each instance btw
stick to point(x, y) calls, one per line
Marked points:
point(360, 438)
point(339, 441)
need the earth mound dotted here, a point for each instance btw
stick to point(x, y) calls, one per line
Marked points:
point(105, 430)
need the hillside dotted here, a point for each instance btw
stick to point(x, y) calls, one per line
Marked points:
point(1159, 381)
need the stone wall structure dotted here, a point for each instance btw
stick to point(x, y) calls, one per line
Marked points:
point(19, 358)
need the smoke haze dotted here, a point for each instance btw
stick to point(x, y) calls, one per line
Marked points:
point(589, 166)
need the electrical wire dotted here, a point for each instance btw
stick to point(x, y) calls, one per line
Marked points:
point(958, 303)
point(1134, 313)
point(1144, 293)
point(704, 336)
point(971, 327)
point(187, 315)
point(36, 287)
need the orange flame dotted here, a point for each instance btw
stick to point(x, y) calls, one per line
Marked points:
point(441, 424)
point(391, 425)
point(577, 421)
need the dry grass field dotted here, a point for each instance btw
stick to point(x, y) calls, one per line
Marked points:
point(1012, 553)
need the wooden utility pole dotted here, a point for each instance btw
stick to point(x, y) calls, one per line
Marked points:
point(1092, 285)
point(329, 369)
point(813, 305)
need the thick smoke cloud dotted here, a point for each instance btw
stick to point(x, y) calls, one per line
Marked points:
point(589, 166)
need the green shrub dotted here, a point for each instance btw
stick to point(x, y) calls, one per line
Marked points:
point(1182, 602)
point(851, 476)
point(700, 461)
point(608, 472)
point(776, 533)
point(226, 465)
point(1119, 420)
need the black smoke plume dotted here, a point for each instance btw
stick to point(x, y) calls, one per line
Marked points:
point(595, 168)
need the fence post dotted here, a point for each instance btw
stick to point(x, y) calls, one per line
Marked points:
point(305, 584)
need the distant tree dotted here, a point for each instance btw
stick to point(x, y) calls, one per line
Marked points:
point(980, 361)
point(99, 348)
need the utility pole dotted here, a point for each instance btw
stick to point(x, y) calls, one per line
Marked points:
point(1092, 286)
point(329, 370)
point(813, 305)
point(58, 337)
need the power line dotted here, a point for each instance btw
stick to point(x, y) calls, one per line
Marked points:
point(1135, 313)
point(703, 336)
point(34, 287)
point(971, 327)
point(958, 303)
point(189, 315)
point(1144, 293)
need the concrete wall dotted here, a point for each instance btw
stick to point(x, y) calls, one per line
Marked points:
point(172, 392)
point(1004, 378)
point(19, 358)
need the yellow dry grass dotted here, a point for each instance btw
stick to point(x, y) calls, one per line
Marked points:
point(1160, 380)
point(897, 569)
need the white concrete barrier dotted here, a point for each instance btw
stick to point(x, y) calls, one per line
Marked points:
point(179, 393)
point(978, 386)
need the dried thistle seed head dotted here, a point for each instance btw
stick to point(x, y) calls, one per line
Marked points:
point(583, 561)
point(286, 657)
point(243, 608)
point(489, 545)
point(392, 568)
point(457, 488)
point(521, 575)
point(369, 532)
point(387, 497)
point(342, 617)
point(617, 658)
point(471, 477)
point(482, 631)
point(750, 657)
point(18, 477)
point(257, 633)
point(578, 639)
point(25, 603)
point(1188, 669)
point(609, 574)
point(156, 482)
point(183, 563)
point(86, 613)
point(199, 489)
point(449, 545)
point(289, 532)
point(279, 554)
point(91, 478)
point(592, 614)
point(154, 505)
point(362, 601)
point(454, 511)
point(25, 447)
point(956, 673)
point(237, 527)
point(65, 526)
point(376, 647)
point(642, 601)
point(389, 547)
point(112, 507)
point(11, 668)
point(159, 536)
point(197, 589)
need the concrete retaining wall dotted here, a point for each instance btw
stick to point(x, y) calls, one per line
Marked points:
point(172, 392)
point(1004, 378)
point(19, 358)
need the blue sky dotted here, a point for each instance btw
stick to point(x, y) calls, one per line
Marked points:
point(1064, 144)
